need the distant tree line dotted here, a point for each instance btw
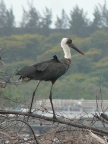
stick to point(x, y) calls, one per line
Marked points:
point(76, 22)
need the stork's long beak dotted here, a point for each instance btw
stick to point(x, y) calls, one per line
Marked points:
point(75, 48)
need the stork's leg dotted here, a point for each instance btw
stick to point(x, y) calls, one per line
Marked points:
point(33, 96)
point(50, 97)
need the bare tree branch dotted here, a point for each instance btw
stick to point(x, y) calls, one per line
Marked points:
point(54, 120)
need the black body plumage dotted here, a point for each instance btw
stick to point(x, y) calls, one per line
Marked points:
point(49, 70)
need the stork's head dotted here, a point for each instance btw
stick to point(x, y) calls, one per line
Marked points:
point(66, 43)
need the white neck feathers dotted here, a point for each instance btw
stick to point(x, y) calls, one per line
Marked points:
point(67, 53)
point(66, 49)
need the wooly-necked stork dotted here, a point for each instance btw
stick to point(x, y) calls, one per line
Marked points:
point(49, 70)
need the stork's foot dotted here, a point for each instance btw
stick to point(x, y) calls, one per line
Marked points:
point(54, 117)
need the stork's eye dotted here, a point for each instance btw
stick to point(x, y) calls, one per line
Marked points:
point(69, 41)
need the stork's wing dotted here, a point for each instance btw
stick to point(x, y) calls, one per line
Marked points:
point(26, 71)
point(31, 69)
point(42, 66)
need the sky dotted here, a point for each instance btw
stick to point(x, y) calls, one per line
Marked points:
point(55, 5)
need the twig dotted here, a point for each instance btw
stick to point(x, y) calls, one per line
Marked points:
point(26, 124)
point(30, 128)
point(3, 51)
point(104, 116)
point(4, 133)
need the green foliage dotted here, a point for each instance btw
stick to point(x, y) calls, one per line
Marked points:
point(100, 39)
point(84, 78)
point(47, 18)
point(63, 22)
point(78, 22)
point(30, 18)
point(6, 16)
